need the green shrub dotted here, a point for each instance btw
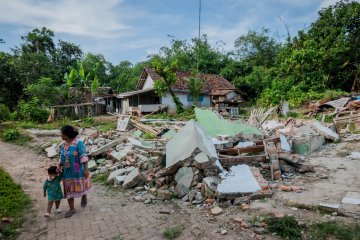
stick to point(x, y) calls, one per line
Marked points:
point(31, 111)
point(148, 136)
point(14, 116)
point(11, 134)
point(286, 227)
point(4, 112)
point(172, 233)
point(13, 202)
point(333, 230)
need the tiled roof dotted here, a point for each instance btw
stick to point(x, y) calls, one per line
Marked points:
point(211, 81)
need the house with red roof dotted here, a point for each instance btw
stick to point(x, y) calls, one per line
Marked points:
point(216, 92)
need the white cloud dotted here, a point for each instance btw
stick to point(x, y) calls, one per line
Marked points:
point(326, 3)
point(91, 18)
point(218, 33)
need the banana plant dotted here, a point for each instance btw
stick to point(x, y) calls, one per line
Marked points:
point(80, 80)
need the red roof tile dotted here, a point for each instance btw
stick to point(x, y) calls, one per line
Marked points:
point(211, 81)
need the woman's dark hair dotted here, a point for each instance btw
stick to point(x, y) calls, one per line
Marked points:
point(69, 131)
point(52, 170)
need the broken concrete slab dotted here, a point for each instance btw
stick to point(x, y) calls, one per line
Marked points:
point(117, 156)
point(169, 134)
point(239, 180)
point(329, 205)
point(92, 166)
point(105, 147)
point(119, 180)
point(141, 144)
point(184, 176)
point(352, 198)
point(190, 137)
point(201, 158)
point(354, 155)
point(284, 143)
point(325, 131)
point(52, 151)
point(307, 144)
point(214, 125)
point(119, 172)
point(132, 179)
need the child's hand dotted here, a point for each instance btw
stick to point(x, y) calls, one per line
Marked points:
point(44, 194)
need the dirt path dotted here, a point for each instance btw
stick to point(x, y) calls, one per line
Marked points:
point(110, 214)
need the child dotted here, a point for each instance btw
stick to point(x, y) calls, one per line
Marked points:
point(53, 189)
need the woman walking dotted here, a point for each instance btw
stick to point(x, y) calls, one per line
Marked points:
point(74, 168)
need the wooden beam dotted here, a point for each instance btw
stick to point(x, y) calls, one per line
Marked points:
point(250, 149)
point(228, 161)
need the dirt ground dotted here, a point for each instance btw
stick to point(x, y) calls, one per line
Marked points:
point(114, 214)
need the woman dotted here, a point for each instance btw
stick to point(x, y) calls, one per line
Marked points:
point(74, 168)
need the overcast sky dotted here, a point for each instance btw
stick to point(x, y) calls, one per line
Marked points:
point(133, 29)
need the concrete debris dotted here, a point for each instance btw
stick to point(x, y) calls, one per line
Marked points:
point(105, 147)
point(352, 198)
point(216, 211)
point(184, 177)
point(92, 165)
point(119, 172)
point(53, 151)
point(238, 174)
point(190, 137)
point(354, 155)
point(326, 132)
point(132, 179)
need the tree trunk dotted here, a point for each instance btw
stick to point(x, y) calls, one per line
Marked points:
point(178, 104)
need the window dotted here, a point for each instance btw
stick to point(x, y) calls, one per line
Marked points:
point(190, 98)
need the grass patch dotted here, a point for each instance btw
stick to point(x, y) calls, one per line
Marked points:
point(99, 178)
point(172, 233)
point(285, 227)
point(13, 203)
point(148, 136)
point(330, 230)
point(9, 132)
point(105, 126)
point(184, 116)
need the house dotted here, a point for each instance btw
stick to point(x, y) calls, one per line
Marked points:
point(145, 100)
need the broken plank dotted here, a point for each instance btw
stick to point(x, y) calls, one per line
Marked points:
point(105, 147)
point(228, 161)
point(250, 149)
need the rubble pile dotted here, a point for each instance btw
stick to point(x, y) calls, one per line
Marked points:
point(205, 160)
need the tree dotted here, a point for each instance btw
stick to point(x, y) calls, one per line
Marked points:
point(81, 80)
point(195, 84)
point(257, 48)
point(167, 71)
point(45, 91)
point(37, 41)
point(103, 67)
point(66, 57)
point(11, 88)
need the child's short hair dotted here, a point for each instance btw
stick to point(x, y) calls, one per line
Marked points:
point(52, 170)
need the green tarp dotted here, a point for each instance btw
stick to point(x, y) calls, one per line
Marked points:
point(215, 126)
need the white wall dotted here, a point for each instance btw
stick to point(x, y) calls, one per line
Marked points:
point(148, 83)
point(167, 100)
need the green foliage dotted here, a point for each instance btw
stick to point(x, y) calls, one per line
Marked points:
point(99, 178)
point(83, 80)
point(44, 90)
point(148, 136)
point(286, 227)
point(328, 230)
point(31, 111)
point(11, 134)
point(184, 116)
point(13, 202)
point(172, 233)
point(166, 69)
point(4, 112)
point(195, 84)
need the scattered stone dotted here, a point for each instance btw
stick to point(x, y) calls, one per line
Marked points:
point(163, 195)
point(132, 179)
point(118, 172)
point(147, 201)
point(92, 166)
point(119, 180)
point(164, 211)
point(259, 230)
point(223, 232)
point(216, 211)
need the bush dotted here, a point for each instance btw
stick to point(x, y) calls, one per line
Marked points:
point(30, 111)
point(4, 112)
point(14, 116)
point(286, 227)
point(13, 202)
point(11, 134)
